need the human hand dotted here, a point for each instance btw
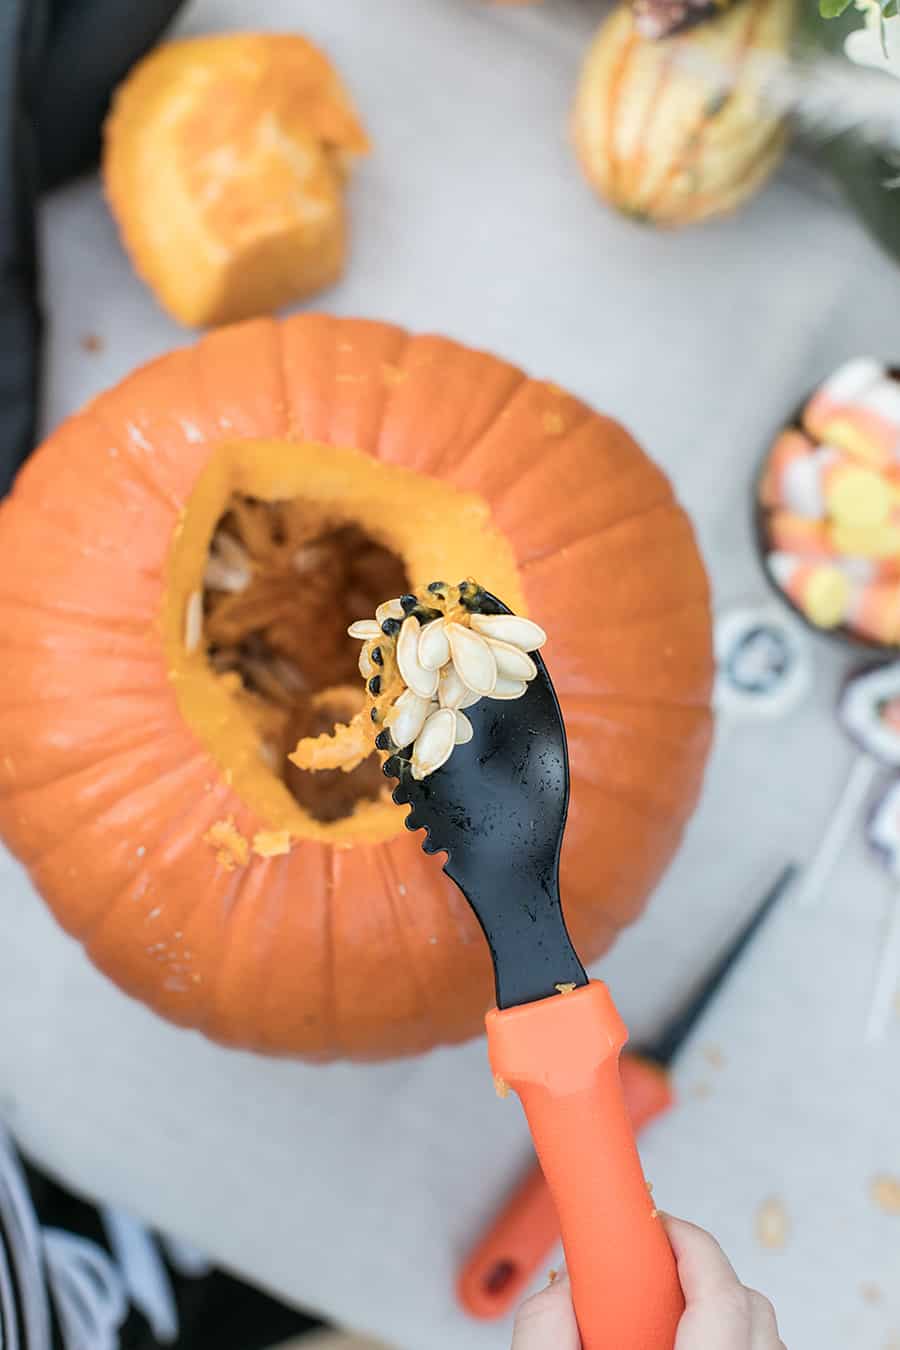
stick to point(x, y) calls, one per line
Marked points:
point(720, 1312)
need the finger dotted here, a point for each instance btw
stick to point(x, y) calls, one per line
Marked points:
point(547, 1320)
point(703, 1268)
point(764, 1323)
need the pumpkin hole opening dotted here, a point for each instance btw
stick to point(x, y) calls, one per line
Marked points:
point(281, 587)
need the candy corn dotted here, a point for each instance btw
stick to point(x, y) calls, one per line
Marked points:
point(820, 590)
point(790, 533)
point(874, 612)
point(858, 410)
point(790, 449)
point(832, 508)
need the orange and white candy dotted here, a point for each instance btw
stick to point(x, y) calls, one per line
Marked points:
point(820, 590)
point(857, 409)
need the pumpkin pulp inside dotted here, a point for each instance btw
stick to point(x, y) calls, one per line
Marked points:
point(281, 546)
point(281, 587)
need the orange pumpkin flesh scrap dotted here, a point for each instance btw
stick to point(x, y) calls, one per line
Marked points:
point(353, 942)
point(224, 163)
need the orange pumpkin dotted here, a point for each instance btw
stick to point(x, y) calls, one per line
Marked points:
point(142, 778)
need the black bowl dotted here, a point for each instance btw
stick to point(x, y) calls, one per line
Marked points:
point(841, 634)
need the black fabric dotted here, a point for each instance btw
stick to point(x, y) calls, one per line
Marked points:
point(59, 63)
point(214, 1311)
point(91, 45)
point(22, 36)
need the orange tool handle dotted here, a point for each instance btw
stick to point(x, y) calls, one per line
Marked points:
point(505, 1261)
point(519, 1241)
point(561, 1055)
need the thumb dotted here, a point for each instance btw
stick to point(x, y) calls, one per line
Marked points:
point(546, 1321)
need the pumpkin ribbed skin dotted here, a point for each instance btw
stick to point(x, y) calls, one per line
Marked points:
point(106, 792)
point(674, 131)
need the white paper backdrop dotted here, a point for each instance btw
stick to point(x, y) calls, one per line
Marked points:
point(356, 1190)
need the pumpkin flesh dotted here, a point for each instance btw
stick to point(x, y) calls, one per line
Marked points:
point(414, 526)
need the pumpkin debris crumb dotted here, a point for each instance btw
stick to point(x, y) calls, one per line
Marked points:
point(772, 1224)
point(552, 1275)
point(272, 843)
point(91, 342)
point(654, 1214)
point(232, 849)
point(565, 988)
point(714, 1057)
point(870, 1292)
point(700, 1091)
point(885, 1193)
point(501, 1087)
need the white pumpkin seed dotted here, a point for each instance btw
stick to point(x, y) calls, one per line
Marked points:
point(512, 662)
point(391, 609)
point(452, 693)
point(434, 745)
point(193, 621)
point(464, 729)
point(364, 629)
point(472, 658)
point(407, 717)
point(506, 688)
point(434, 649)
point(220, 576)
point(510, 628)
point(268, 753)
point(231, 550)
point(421, 681)
point(367, 666)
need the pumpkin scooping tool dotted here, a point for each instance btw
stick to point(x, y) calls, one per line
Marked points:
point(518, 1242)
point(498, 810)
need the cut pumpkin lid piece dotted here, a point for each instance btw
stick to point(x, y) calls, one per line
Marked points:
point(417, 707)
point(224, 163)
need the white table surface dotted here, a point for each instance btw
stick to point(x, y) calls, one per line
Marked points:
point(355, 1190)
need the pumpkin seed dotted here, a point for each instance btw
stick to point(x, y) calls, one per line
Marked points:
point(366, 669)
point(434, 744)
point(434, 649)
point(510, 628)
point(407, 717)
point(219, 576)
point(391, 609)
point(453, 693)
point(193, 621)
point(421, 681)
point(508, 689)
point(364, 629)
point(464, 729)
point(472, 658)
point(512, 661)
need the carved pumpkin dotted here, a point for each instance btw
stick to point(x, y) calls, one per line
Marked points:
point(144, 777)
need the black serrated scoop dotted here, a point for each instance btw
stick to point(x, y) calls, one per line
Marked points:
point(498, 808)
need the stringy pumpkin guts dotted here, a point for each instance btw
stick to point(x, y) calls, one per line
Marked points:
point(279, 588)
point(425, 658)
